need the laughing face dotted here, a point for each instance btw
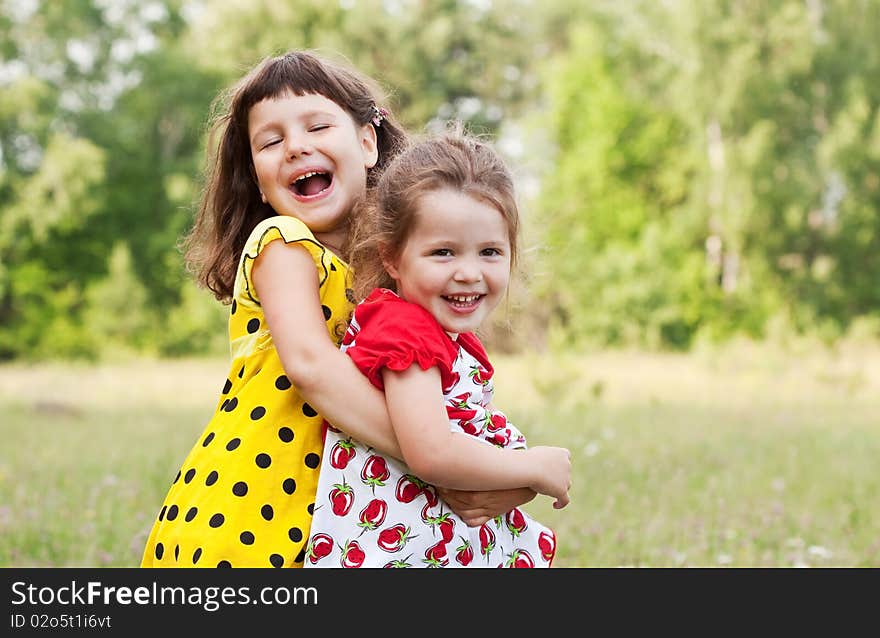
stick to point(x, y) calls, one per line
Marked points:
point(456, 260)
point(311, 160)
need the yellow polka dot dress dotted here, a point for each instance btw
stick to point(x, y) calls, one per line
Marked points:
point(244, 496)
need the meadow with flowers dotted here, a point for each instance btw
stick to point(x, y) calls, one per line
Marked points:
point(751, 455)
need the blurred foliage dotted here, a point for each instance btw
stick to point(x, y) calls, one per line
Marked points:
point(693, 170)
point(717, 164)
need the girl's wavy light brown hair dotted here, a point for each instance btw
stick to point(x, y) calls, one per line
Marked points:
point(455, 161)
point(231, 206)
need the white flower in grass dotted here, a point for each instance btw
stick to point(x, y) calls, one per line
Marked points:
point(591, 448)
point(817, 551)
point(724, 559)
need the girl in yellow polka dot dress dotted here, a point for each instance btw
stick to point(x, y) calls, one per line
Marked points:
point(299, 142)
point(301, 139)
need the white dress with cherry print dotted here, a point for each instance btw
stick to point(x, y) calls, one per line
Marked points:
point(370, 510)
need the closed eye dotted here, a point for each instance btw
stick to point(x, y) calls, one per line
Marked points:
point(271, 142)
point(318, 127)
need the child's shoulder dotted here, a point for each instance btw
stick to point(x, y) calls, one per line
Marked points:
point(387, 318)
point(385, 312)
point(287, 227)
point(390, 332)
point(386, 306)
point(290, 230)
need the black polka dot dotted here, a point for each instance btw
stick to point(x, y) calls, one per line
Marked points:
point(332, 266)
point(300, 557)
point(312, 460)
point(172, 513)
point(160, 550)
point(224, 404)
point(227, 386)
point(233, 402)
point(247, 538)
point(211, 478)
point(176, 478)
point(277, 560)
point(253, 325)
point(162, 513)
point(234, 307)
point(263, 460)
point(285, 434)
point(289, 486)
point(176, 552)
point(241, 372)
point(197, 555)
point(311, 508)
point(282, 382)
point(240, 488)
point(257, 413)
point(190, 473)
point(267, 512)
point(208, 439)
point(295, 534)
point(191, 514)
point(309, 410)
point(327, 312)
point(224, 563)
point(233, 443)
point(216, 520)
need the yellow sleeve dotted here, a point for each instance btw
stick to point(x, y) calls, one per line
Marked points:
point(288, 229)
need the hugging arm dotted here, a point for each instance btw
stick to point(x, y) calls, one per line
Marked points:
point(478, 507)
point(327, 378)
point(448, 459)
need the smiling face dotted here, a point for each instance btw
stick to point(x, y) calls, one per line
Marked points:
point(456, 261)
point(311, 160)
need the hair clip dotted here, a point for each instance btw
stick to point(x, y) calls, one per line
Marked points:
point(378, 115)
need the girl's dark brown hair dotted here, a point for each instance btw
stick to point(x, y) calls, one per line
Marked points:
point(231, 206)
point(454, 161)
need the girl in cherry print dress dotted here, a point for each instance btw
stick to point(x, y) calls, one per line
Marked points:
point(436, 251)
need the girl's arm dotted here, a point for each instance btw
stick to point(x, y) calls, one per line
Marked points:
point(478, 507)
point(327, 378)
point(439, 456)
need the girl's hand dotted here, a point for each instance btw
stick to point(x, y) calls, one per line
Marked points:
point(476, 508)
point(552, 472)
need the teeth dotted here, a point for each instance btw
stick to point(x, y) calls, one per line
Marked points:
point(306, 175)
point(463, 298)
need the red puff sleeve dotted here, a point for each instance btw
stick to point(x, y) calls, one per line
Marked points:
point(393, 333)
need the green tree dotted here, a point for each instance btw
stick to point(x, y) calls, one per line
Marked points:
point(715, 144)
point(100, 130)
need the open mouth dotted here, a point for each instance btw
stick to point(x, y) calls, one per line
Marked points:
point(312, 183)
point(463, 302)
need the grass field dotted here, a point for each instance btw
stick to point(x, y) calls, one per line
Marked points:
point(747, 456)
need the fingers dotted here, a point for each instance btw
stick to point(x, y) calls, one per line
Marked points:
point(476, 521)
point(561, 502)
point(459, 499)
